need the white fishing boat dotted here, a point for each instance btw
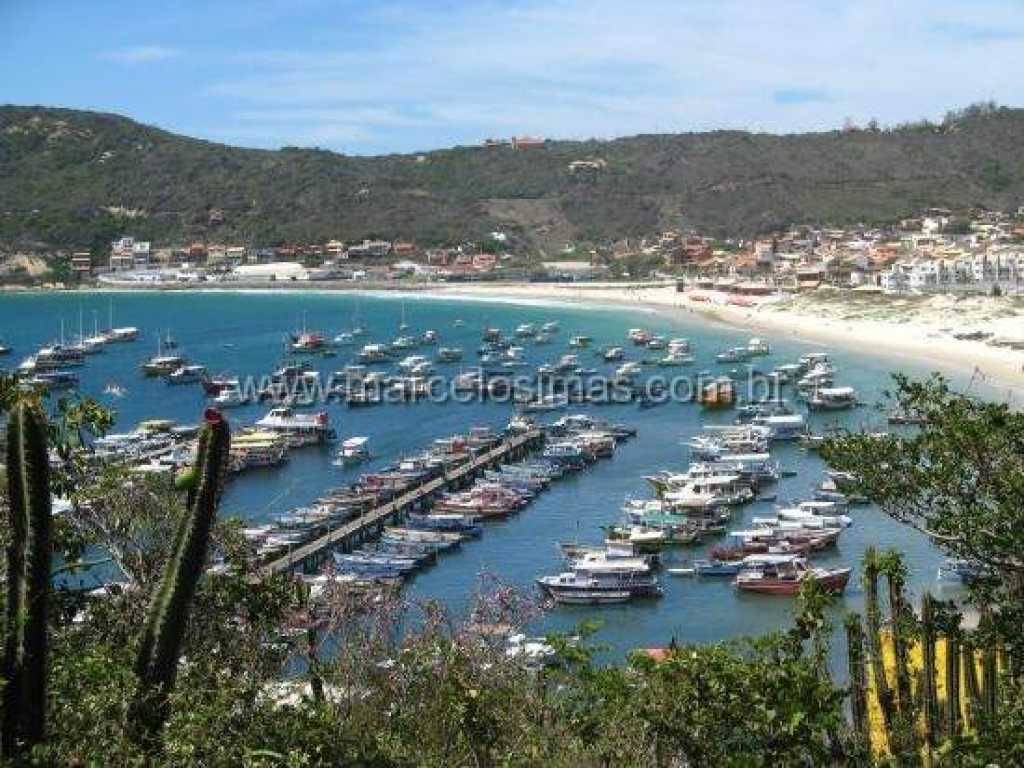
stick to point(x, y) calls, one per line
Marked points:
point(160, 365)
point(733, 355)
point(520, 423)
point(412, 362)
point(832, 399)
point(526, 330)
point(299, 428)
point(229, 396)
point(353, 450)
point(638, 336)
point(612, 354)
point(579, 342)
point(627, 370)
point(544, 403)
point(374, 353)
point(404, 342)
point(449, 355)
point(186, 374)
point(783, 426)
point(758, 346)
point(675, 358)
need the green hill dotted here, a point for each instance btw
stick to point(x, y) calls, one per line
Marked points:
point(63, 171)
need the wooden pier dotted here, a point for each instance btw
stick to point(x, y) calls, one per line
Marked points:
point(370, 524)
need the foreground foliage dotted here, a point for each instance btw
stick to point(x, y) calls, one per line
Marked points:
point(233, 670)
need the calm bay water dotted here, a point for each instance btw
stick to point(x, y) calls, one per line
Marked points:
point(242, 334)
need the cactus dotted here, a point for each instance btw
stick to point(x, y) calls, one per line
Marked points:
point(989, 682)
point(160, 649)
point(952, 682)
point(973, 689)
point(896, 576)
point(28, 579)
point(874, 634)
point(858, 684)
point(928, 694)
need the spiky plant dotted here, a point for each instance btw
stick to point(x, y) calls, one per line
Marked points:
point(952, 680)
point(895, 571)
point(858, 683)
point(874, 636)
point(28, 579)
point(160, 649)
point(974, 708)
point(928, 694)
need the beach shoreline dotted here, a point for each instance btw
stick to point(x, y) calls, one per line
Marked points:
point(925, 339)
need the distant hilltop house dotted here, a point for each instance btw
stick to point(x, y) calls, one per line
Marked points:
point(517, 142)
point(528, 142)
point(128, 254)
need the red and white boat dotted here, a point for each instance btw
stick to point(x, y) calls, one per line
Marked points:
point(483, 501)
point(783, 575)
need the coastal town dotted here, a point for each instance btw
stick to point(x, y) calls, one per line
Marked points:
point(938, 251)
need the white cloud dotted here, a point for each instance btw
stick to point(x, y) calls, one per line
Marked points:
point(581, 68)
point(139, 54)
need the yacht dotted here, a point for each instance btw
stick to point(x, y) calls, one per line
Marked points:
point(657, 342)
point(128, 333)
point(832, 399)
point(733, 355)
point(638, 336)
point(299, 428)
point(520, 423)
point(162, 365)
point(811, 359)
point(412, 362)
point(549, 327)
point(675, 358)
point(404, 342)
point(374, 353)
point(352, 451)
point(229, 396)
point(526, 330)
point(344, 339)
point(783, 426)
point(186, 374)
point(544, 403)
point(627, 370)
point(758, 346)
point(449, 355)
point(783, 575)
point(598, 581)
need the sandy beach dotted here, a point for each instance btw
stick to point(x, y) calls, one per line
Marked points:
point(902, 328)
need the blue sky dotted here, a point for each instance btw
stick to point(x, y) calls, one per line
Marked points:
point(376, 77)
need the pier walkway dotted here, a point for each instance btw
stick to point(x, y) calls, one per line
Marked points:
point(372, 522)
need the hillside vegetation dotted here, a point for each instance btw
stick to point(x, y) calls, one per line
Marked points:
point(73, 178)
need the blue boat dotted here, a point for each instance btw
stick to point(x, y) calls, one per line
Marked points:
point(716, 567)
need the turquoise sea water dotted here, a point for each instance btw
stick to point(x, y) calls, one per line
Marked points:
point(242, 333)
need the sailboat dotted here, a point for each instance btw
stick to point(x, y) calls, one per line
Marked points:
point(403, 326)
point(128, 333)
point(97, 341)
point(357, 329)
